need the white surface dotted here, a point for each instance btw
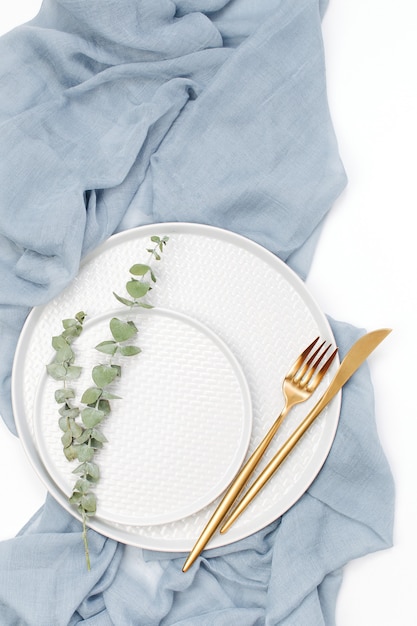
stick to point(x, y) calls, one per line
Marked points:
point(264, 343)
point(371, 50)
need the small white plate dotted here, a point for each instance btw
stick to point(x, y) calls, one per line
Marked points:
point(248, 298)
point(180, 431)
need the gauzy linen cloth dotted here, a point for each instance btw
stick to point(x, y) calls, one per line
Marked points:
point(118, 113)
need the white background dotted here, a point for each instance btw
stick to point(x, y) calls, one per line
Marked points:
point(364, 272)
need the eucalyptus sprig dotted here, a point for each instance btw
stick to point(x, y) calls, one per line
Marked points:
point(81, 423)
point(139, 284)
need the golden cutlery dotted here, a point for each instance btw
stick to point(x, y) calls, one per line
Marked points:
point(353, 359)
point(301, 381)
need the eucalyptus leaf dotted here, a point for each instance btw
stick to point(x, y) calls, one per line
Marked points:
point(58, 342)
point(70, 453)
point(137, 288)
point(69, 323)
point(122, 331)
point(69, 412)
point(139, 269)
point(124, 300)
point(84, 452)
point(84, 436)
point(104, 406)
point(98, 435)
point(91, 417)
point(129, 350)
point(75, 497)
point(103, 375)
point(65, 354)
point(73, 372)
point(80, 317)
point(107, 347)
point(66, 439)
point(72, 333)
point(145, 305)
point(81, 469)
point(92, 471)
point(64, 424)
point(76, 429)
point(66, 393)
point(106, 395)
point(82, 485)
point(91, 395)
point(56, 370)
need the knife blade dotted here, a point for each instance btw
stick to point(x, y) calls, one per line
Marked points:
point(356, 355)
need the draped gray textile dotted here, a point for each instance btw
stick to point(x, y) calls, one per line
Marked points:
point(115, 114)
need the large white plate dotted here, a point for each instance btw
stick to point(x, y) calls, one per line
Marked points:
point(244, 295)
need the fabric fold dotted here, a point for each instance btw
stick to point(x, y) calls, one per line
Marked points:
point(121, 113)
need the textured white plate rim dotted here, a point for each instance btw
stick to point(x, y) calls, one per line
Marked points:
point(172, 544)
point(214, 490)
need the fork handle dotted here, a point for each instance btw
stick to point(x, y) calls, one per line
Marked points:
point(233, 491)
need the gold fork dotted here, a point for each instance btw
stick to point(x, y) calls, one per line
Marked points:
point(301, 381)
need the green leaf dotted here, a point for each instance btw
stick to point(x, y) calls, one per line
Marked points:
point(109, 396)
point(64, 354)
point(91, 417)
point(123, 300)
point(89, 502)
point(80, 317)
point(69, 412)
point(73, 372)
point(84, 436)
point(155, 239)
point(139, 269)
point(69, 323)
point(137, 288)
point(57, 371)
point(81, 469)
point(76, 429)
point(129, 350)
point(122, 331)
point(92, 472)
point(91, 395)
point(64, 424)
point(104, 374)
point(104, 405)
point(82, 485)
point(61, 395)
point(107, 347)
point(75, 498)
point(84, 452)
point(66, 439)
point(98, 435)
point(70, 453)
point(72, 332)
point(58, 342)
point(145, 305)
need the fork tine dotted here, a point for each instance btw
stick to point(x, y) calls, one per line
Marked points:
point(304, 374)
point(313, 384)
point(298, 363)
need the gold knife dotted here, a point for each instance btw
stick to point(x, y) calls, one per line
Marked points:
point(357, 354)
